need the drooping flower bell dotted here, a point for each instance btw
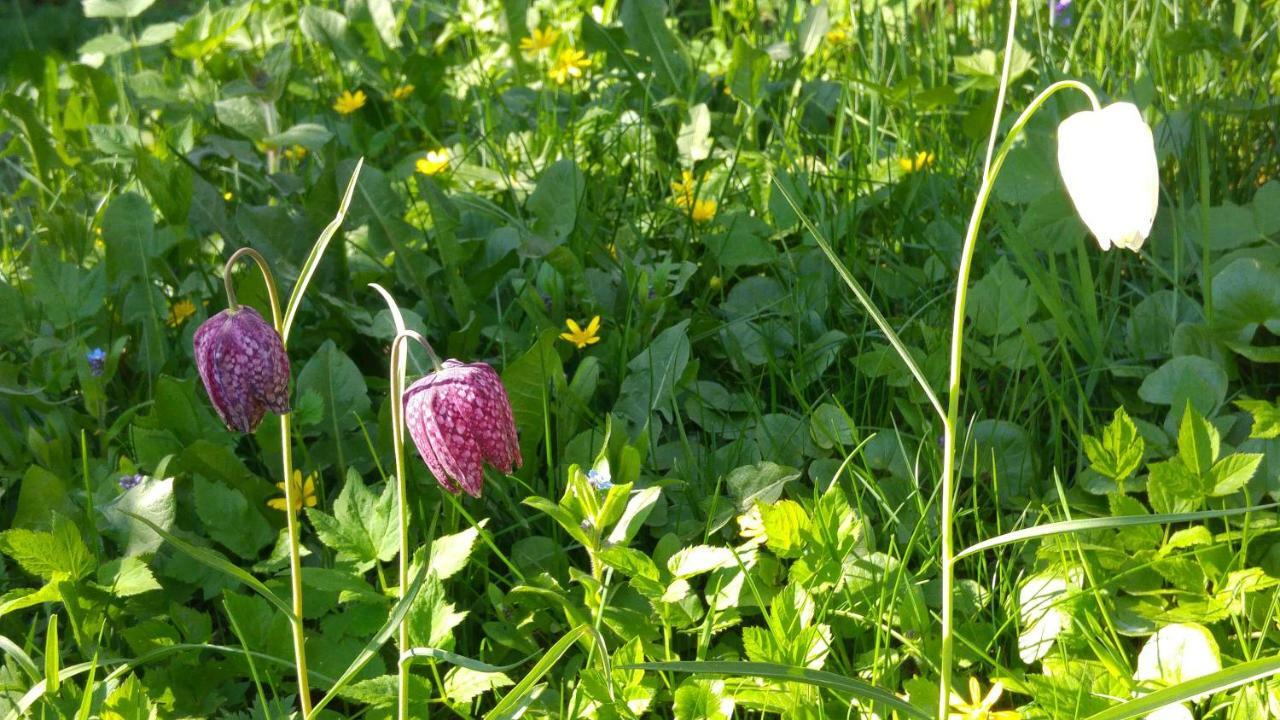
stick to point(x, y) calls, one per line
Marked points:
point(243, 365)
point(460, 418)
point(1107, 159)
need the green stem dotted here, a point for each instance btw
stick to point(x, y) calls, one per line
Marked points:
point(398, 362)
point(950, 426)
point(292, 501)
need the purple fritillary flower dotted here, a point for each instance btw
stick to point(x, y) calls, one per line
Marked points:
point(244, 367)
point(460, 418)
point(129, 482)
point(96, 358)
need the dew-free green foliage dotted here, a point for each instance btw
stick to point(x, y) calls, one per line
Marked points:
point(729, 501)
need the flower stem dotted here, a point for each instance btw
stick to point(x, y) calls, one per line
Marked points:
point(951, 423)
point(292, 502)
point(402, 496)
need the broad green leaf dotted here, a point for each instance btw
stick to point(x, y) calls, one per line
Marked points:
point(1042, 613)
point(127, 577)
point(1234, 676)
point(1187, 378)
point(364, 527)
point(639, 506)
point(115, 8)
point(1198, 442)
point(554, 205)
point(841, 685)
point(58, 553)
point(153, 500)
point(383, 14)
point(529, 380)
point(40, 494)
point(1000, 302)
point(702, 700)
point(215, 560)
point(694, 141)
point(464, 684)
point(653, 374)
point(1233, 472)
point(784, 524)
point(748, 69)
point(1266, 418)
point(246, 115)
point(644, 22)
point(1178, 653)
point(332, 375)
point(205, 31)
point(449, 553)
point(308, 135)
point(228, 519)
point(700, 559)
point(1118, 454)
point(1172, 488)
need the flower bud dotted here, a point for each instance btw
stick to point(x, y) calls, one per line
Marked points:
point(244, 367)
point(460, 418)
point(1108, 162)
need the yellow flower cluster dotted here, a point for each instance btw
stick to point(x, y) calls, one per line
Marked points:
point(917, 162)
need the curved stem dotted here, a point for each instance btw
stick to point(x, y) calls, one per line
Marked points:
point(261, 262)
point(291, 500)
point(949, 426)
point(398, 358)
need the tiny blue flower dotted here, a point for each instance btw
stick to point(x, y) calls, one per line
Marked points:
point(600, 480)
point(96, 357)
point(1060, 12)
point(129, 482)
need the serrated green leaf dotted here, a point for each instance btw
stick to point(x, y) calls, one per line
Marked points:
point(364, 527)
point(1233, 472)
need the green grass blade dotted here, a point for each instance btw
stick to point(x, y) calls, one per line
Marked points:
point(51, 659)
point(215, 560)
point(37, 691)
point(1108, 523)
point(865, 300)
point(317, 251)
point(372, 647)
point(1226, 679)
point(24, 660)
point(513, 699)
point(817, 678)
point(412, 654)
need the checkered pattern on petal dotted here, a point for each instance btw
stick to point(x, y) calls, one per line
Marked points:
point(460, 418)
point(243, 366)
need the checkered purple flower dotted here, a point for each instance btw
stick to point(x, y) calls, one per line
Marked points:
point(460, 418)
point(244, 367)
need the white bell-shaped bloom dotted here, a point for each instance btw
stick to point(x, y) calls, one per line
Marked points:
point(1108, 161)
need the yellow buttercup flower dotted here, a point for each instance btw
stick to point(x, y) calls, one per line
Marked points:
point(295, 153)
point(978, 706)
point(402, 91)
point(580, 337)
point(228, 196)
point(704, 211)
point(180, 311)
point(919, 161)
point(349, 102)
point(682, 192)
point(569, 64)
point(434, 162)
point(304, 493)
point(837, 35)
point(539, 40)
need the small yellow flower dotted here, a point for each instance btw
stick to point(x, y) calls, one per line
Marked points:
point(228, 196)
point(295, 153)
point(704, 211)
point(402, 91)
point(682, 192)
point(539, 40)
point(978, 706)
point(919, 161)
point(180, 311)
point(569, 64)
point(715, 283)
point(349, 102)
point(434, 162)
point(304, 493)
point(837, 35)
point(580, 337)
point(613, 250)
